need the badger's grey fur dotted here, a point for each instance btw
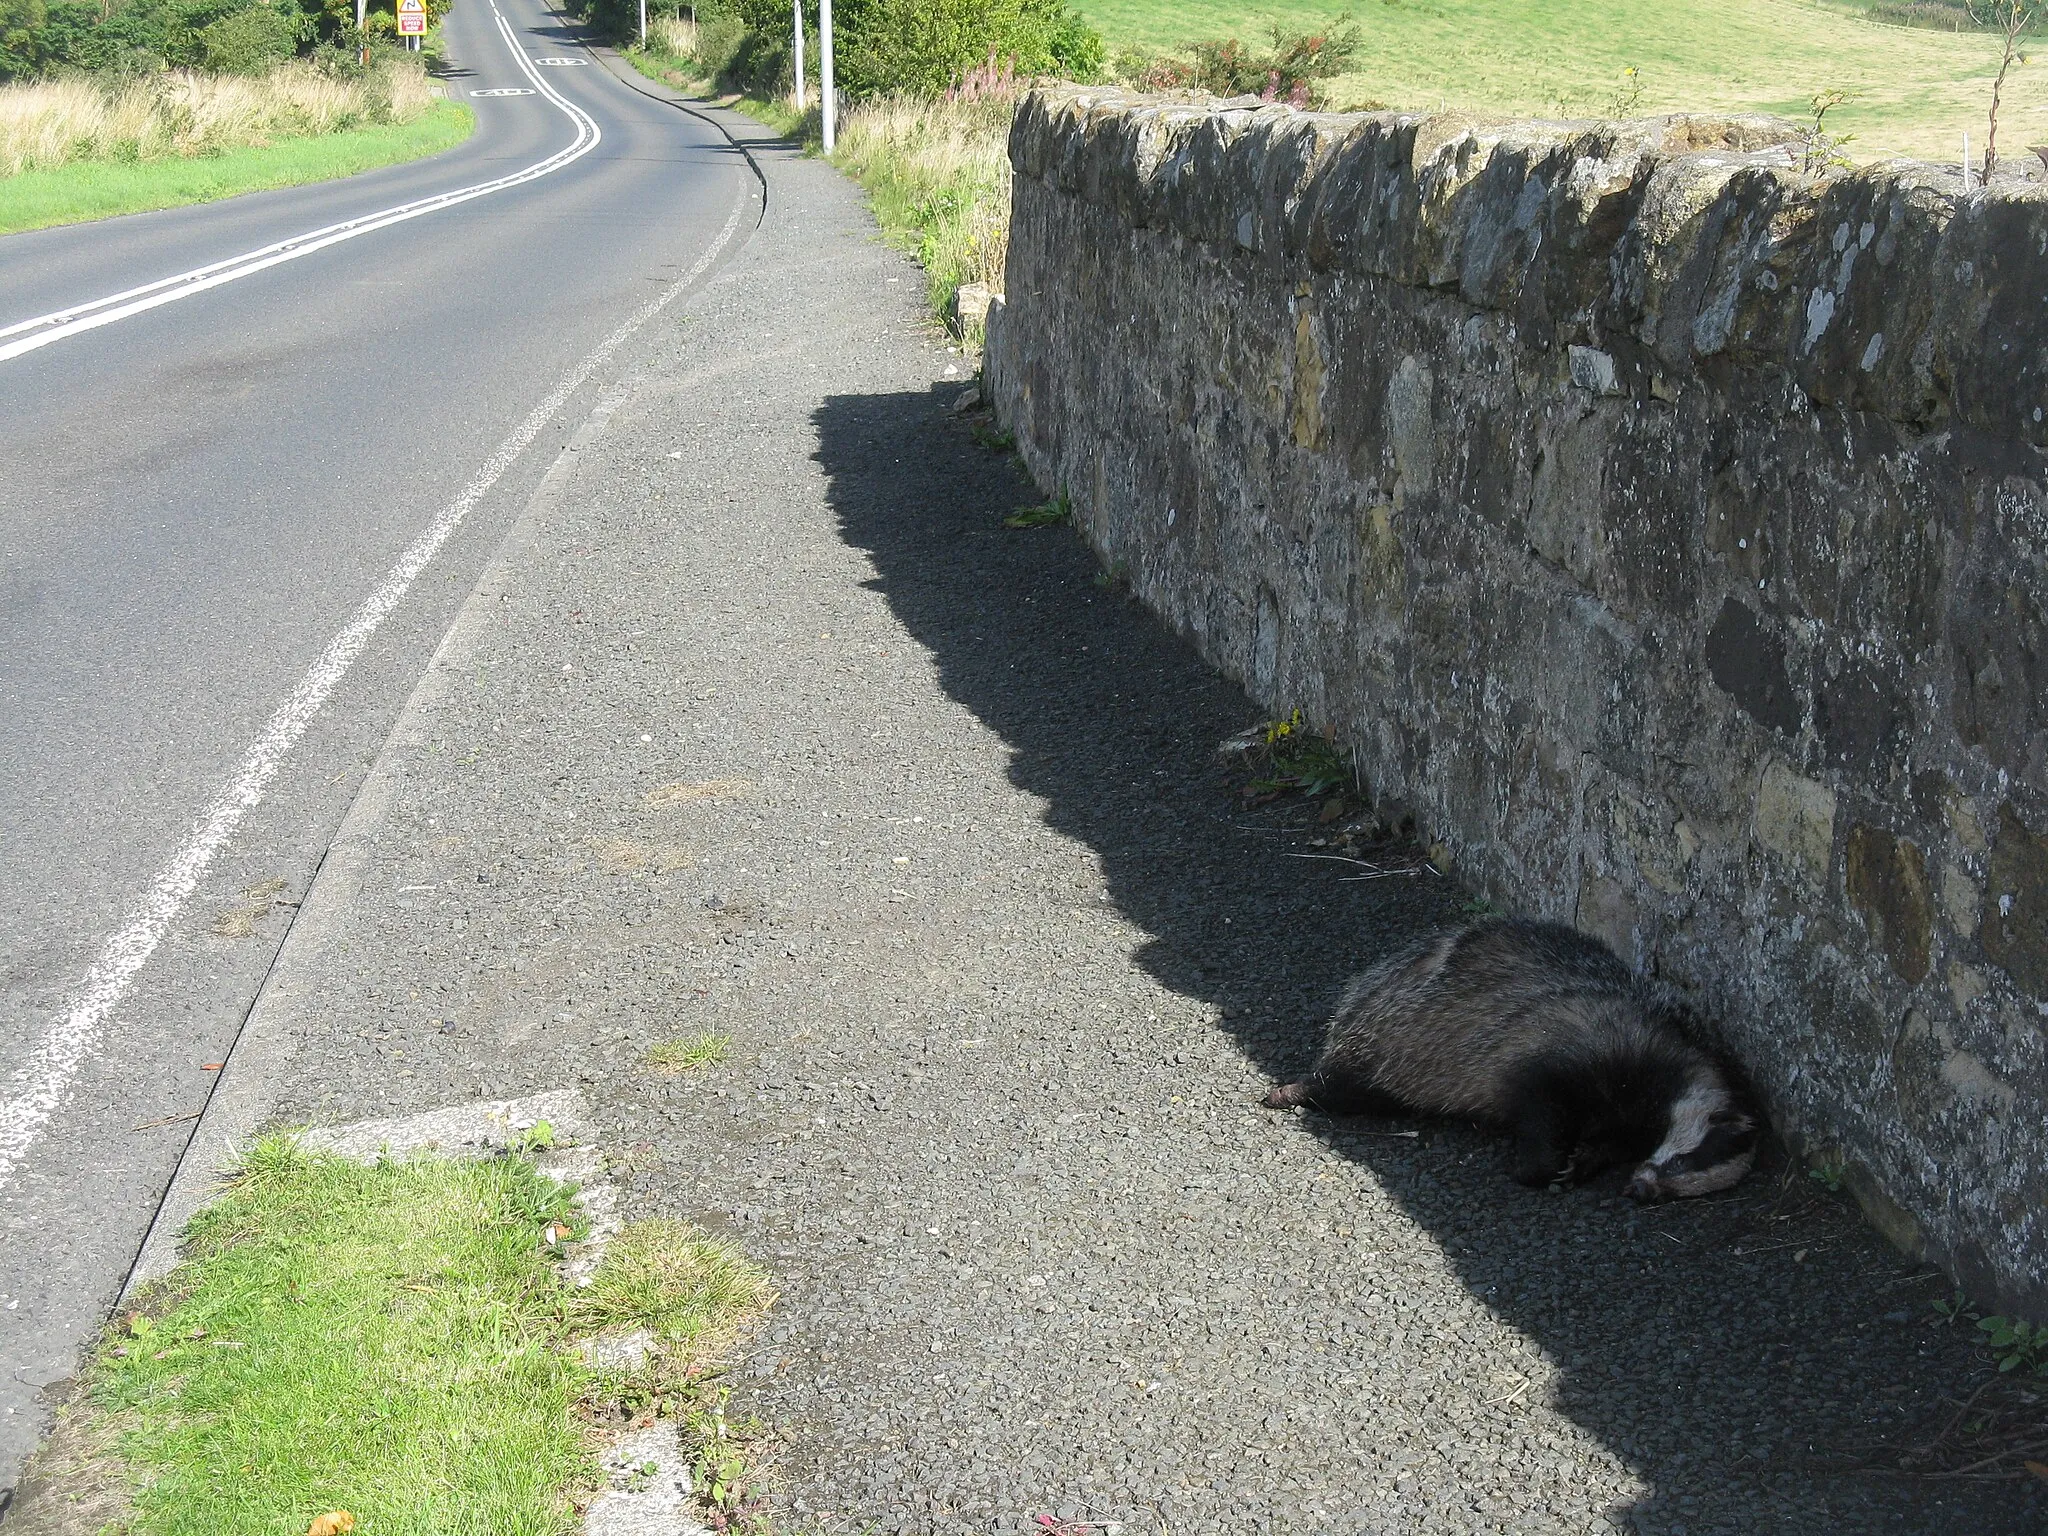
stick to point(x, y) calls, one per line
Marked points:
point(1538, 1028)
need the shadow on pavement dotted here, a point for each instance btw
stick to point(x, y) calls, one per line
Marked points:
point(1750, 1356)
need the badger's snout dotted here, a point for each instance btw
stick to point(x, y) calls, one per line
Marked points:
point(1682, 1178)
point(1644, 1187)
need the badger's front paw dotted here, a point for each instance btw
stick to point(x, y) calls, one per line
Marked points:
point(1542, 1172)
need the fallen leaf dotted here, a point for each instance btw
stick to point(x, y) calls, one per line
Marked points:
point(2039, 1469)
point(336, 1522)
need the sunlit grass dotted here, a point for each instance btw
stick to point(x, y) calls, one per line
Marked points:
point(1914, 91)
point(938, 176)
point(688, 1054)
point(392, 1341)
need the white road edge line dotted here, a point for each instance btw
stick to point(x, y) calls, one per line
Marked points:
point(48, 1073)
point(79, 318)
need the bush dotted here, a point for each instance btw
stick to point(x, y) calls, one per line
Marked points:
point(21, 26)
point(921, 47)
point(131, 37)
point(1077, 50)
point(251, 42)
point(1939, 15)
point(881, 47)
point(1290, 70)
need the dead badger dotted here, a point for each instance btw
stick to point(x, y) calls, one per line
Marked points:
point(1538, 1028)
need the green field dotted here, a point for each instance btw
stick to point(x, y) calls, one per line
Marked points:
point(98, 189)
point(1915, 91)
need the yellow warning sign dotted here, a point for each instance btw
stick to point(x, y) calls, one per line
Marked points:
point(412, 18)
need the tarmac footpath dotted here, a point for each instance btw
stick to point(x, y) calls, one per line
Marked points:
point(764, 726)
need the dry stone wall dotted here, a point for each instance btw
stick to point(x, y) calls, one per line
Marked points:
point(1662, 527)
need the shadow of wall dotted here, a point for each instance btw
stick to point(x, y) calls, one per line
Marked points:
point(1744, 1354)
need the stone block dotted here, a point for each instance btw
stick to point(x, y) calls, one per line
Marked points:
point(1795, 819)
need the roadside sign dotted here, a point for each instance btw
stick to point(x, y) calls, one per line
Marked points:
point(412, 18)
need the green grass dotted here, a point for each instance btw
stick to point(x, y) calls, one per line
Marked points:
point(100, 189)
point(1915, 91)
point(391, 1341)
point(1048, 514)
point(664, 1276)
point(686, 1055)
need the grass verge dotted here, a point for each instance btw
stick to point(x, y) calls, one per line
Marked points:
point(937, 174)
point(99, 189)
point(393, 1341)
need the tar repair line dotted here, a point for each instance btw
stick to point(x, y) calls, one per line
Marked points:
point(50, 1069)
point(80, 318)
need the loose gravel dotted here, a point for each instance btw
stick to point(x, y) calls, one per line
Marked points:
point(774, 731)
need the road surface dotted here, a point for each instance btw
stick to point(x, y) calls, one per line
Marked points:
point(256, 454)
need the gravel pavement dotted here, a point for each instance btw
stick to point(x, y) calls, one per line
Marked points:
point(772, 730)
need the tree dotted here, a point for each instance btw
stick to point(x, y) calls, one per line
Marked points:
point(21, 25)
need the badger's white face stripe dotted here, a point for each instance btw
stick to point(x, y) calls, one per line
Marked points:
point(1690, 1118)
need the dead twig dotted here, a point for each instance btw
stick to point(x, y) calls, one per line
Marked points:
point(152, 1125)
point(1336, 858)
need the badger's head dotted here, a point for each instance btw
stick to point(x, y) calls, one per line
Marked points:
point(1710, 1145)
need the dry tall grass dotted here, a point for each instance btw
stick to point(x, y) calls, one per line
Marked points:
point(938, 172)
point(673, 37)
point(45, 124)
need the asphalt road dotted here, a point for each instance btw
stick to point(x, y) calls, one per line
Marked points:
point(233, 527)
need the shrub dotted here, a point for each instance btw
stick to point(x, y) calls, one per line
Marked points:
point(1290, 70)
point(250, 42)
point(920, 47)
point(1939, 15)
point(1077, 50)
point(718, 43)
point(21, 26)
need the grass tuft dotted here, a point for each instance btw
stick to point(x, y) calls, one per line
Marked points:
point(687, 1055)
point(690, 1291)
point(1047, 514)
